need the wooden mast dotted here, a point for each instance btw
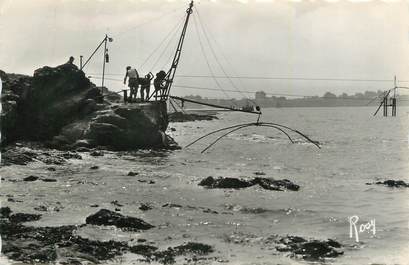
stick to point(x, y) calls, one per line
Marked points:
point(171, 73)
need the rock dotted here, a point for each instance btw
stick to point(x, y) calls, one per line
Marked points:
point(194, 248)
point(94, 205)
point(51, 169)
point(97, 153)
point(167, 256)
point(393, 183)
point(145, 207)
point(30, 178)
point(5, 212)
point(116, 203)
point(311, 250)
point(271, 184)
point(107, 217)
point(131, 173)
point(61, 106)
point(225, 183)
point(172, 205)
point(24, 217)
point(94, 167)
point(41, 208)
point(183, 117)
point(38, 245)
point(70, 155)
point(48, 180)
point(235, 183)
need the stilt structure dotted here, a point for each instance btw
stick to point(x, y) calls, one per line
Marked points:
point(389, 101)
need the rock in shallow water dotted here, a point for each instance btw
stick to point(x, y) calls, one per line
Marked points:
point(235, 183)
point(392, 183)
point(107, 217)
point(312, 250)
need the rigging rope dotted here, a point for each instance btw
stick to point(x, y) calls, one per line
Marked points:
point(154, 19)
point(205, 31)
point(207, 60)
point(166, 47)
point(161, 43)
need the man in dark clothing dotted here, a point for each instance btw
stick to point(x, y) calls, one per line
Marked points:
point(146, 86)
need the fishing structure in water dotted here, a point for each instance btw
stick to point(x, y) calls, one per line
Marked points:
point(389, 100)
point(163, 86)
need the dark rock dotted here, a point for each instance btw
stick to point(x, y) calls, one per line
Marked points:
point(97, 153)
point(30, 178)
point(235, 183)
point(41, 208)
point(107, 217)
point(38, 244)
point(393, 183)
point(94, 167)
point(311, 250)
point(259, 173)
point(131, 173)
point(24, 217)
point(116, 203)
point(172, 205)
point(271, 184)
point(167, 256)
point(71, 156)
point(48, 180)
point(51, 169)
point(225, 183)
point(194, 248)
point(5, 212)
point(183, 117)
point(94, 205)
point(145, 207)
point(61, 106)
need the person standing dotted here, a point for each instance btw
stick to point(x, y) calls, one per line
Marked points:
point(133, 81)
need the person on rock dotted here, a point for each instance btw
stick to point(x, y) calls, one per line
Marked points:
point(71, 60)
point(133, 81)
point(146, 86)
point(159, 84)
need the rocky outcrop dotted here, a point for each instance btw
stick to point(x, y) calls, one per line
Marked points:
point(62, 107)
point(107, 217)
point(236, 183)
point(392, 183)
point(36, 244)
point(311, 250)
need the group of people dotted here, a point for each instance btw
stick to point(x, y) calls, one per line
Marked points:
point(134, 81)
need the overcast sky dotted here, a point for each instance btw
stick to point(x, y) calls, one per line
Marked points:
point(303, 39)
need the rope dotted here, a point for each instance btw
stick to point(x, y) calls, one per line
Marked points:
point(154, 19)
point(207, 60)
point(205, 31)
point(160, 44)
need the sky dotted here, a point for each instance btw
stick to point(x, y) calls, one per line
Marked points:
point(296, 39)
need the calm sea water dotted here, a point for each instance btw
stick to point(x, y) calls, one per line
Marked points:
point(356, 149)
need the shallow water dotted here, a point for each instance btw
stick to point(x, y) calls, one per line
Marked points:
point(356, 148)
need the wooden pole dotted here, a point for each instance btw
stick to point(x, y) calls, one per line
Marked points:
point(103, 66)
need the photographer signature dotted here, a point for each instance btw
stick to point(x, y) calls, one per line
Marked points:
point(355, 229)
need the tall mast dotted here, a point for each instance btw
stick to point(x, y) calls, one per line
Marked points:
point(171, 73)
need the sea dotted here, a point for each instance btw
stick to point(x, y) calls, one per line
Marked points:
point(357, 149)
